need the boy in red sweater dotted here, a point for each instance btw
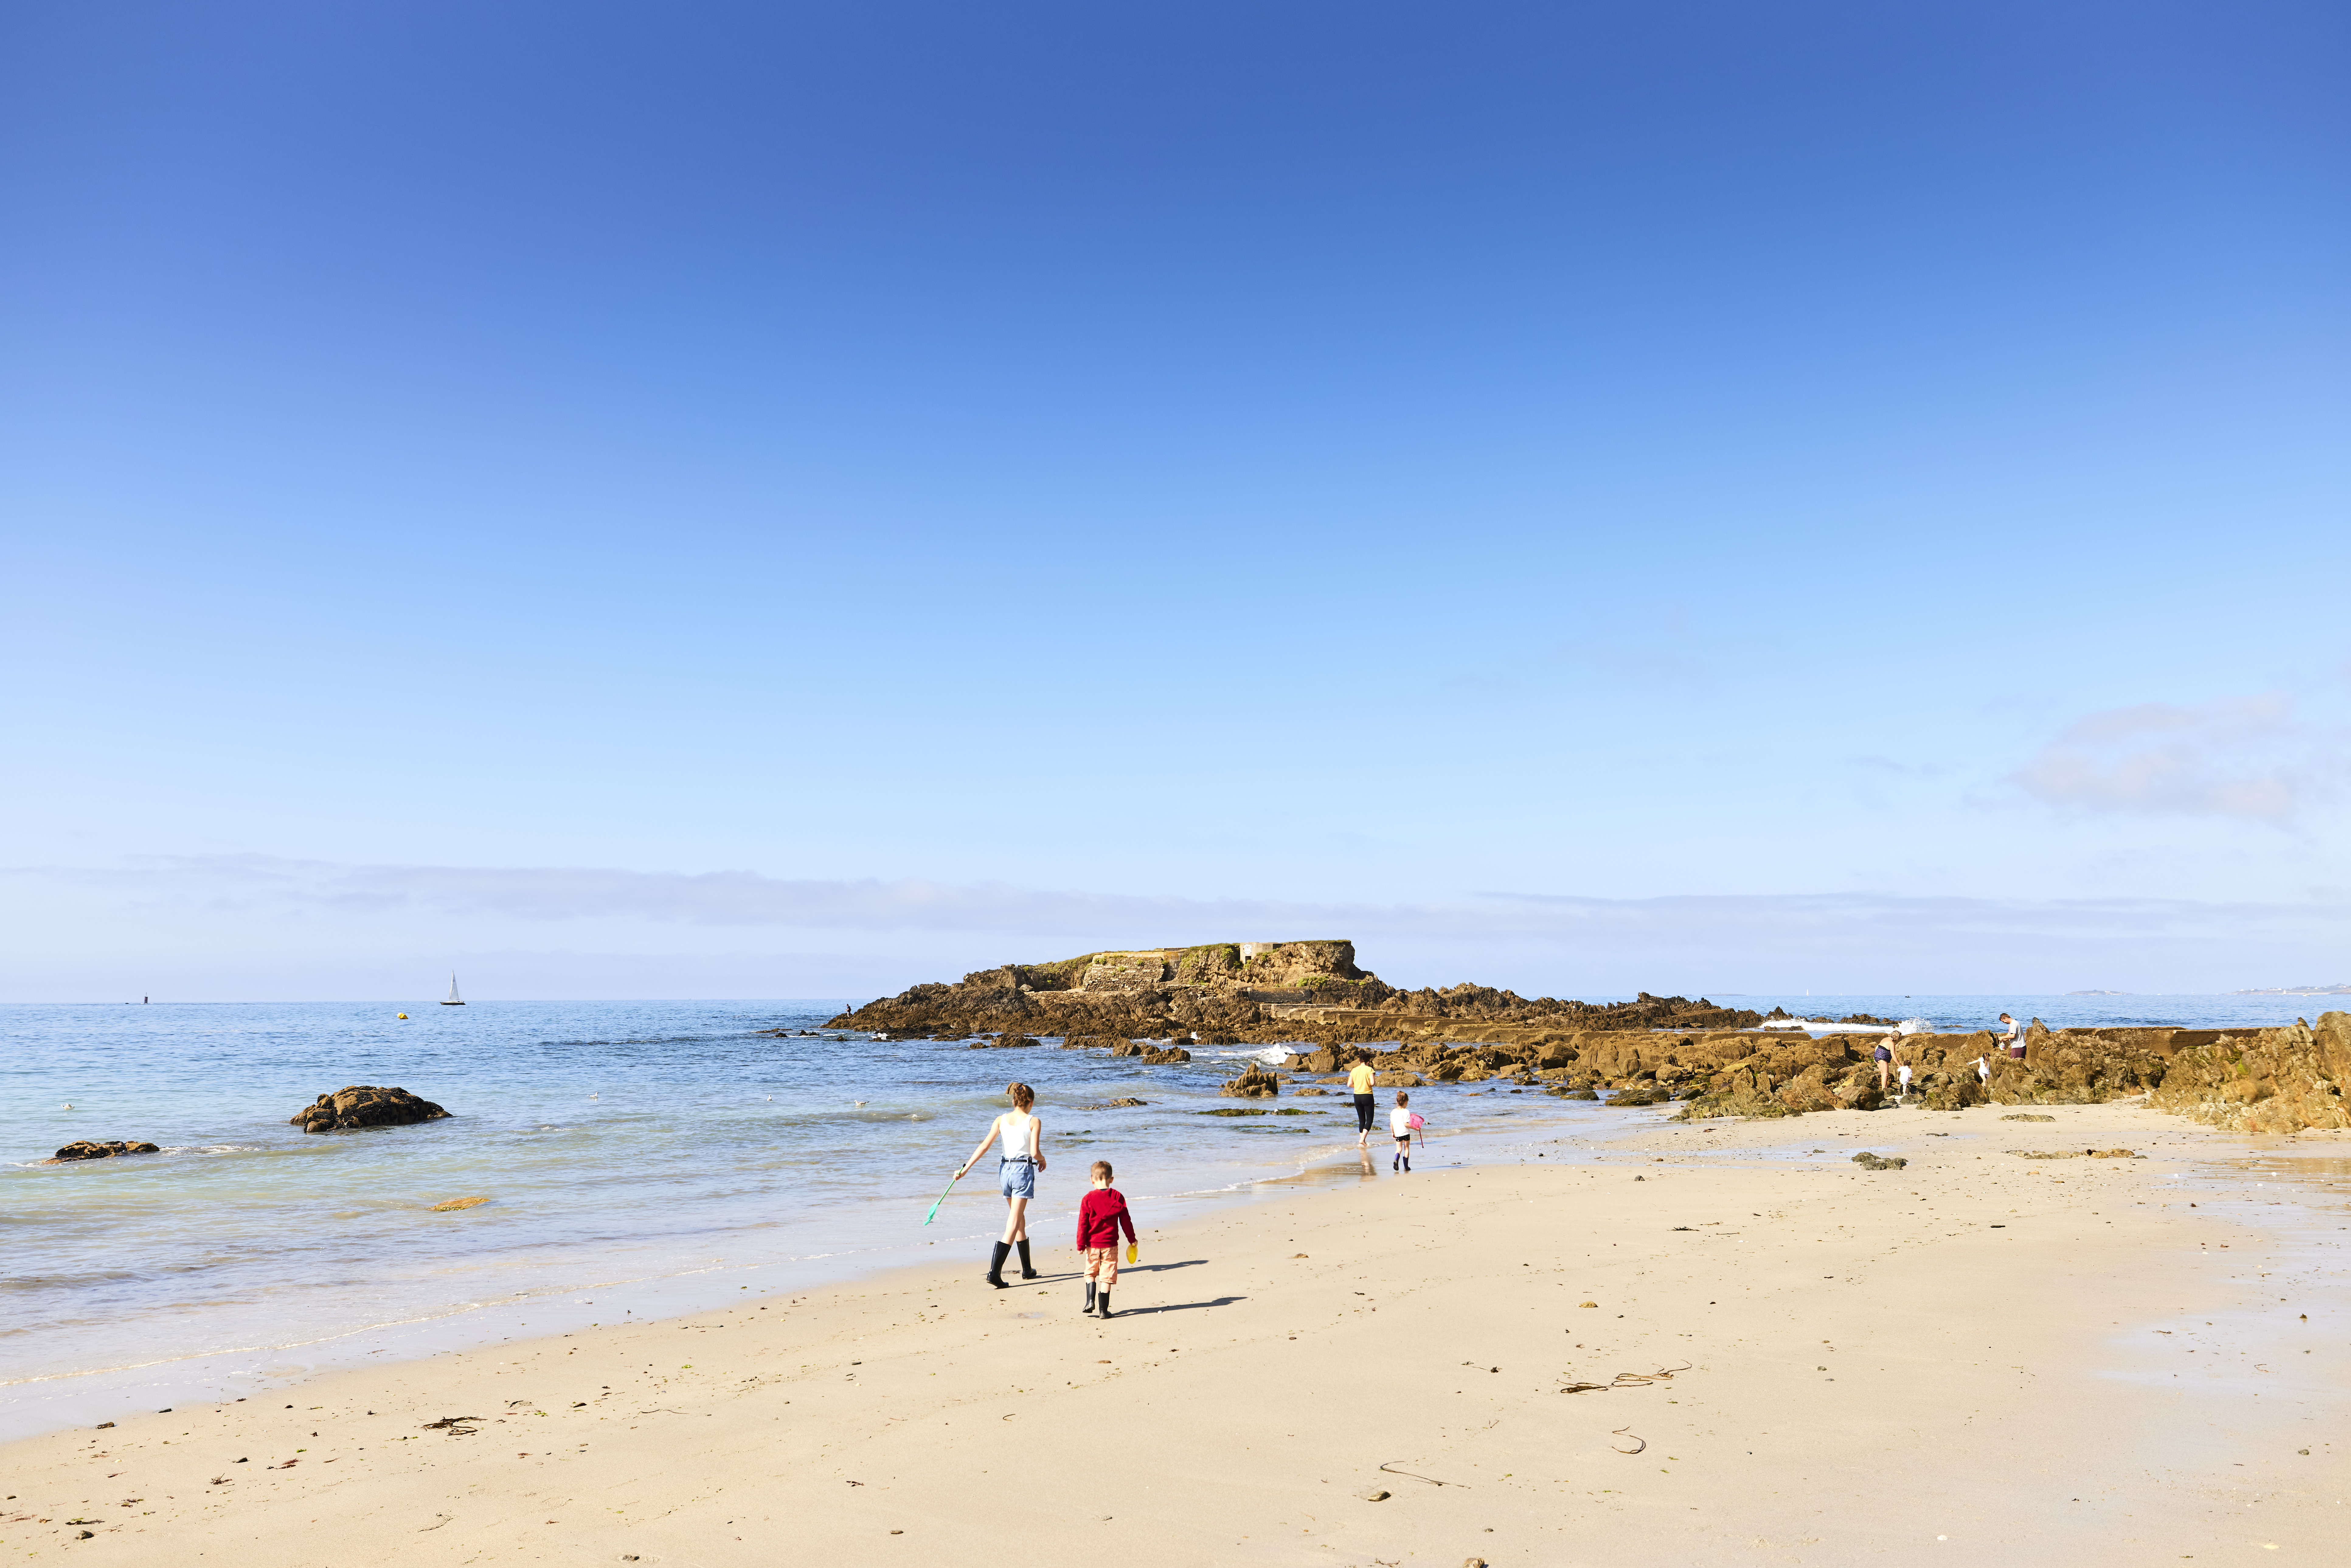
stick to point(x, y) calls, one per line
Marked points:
point(1100, 1218)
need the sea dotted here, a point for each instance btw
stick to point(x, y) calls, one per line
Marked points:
point(639, 1160)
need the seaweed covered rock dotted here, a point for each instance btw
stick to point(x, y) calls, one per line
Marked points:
point(365, 1106)
point(89, 1149)
point(1950, 1090)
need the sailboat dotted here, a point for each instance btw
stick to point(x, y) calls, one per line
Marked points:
point(452, 999)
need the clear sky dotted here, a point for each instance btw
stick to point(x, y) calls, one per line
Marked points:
point(630, 500)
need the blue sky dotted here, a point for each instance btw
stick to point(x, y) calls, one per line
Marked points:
point(726, 499)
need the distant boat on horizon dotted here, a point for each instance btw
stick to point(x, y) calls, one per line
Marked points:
point(452, 999)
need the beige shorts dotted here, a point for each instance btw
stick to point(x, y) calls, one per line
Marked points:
point(1101, 1266)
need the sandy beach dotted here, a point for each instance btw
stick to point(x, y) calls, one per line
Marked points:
point(2077, 1360)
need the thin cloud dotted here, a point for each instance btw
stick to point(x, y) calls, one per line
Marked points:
point(2246, 758)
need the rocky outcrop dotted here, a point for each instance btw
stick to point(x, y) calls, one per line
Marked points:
point(87, 1149)
point(1257, 1083)
point(2265, 1080)
point(365, 1106)
point(1652, 1051)
point(1231, 993)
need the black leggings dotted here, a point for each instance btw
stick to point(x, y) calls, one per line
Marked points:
point(1362, 1112)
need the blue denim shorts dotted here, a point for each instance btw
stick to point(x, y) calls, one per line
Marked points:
point(1017, 1178)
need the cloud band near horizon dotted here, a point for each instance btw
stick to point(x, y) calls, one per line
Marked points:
point(740, 898)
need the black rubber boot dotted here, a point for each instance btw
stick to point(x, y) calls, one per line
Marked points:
point(995, 1265)
point(1101, 1303)
point(1090, 1297)
point(1027, 1270)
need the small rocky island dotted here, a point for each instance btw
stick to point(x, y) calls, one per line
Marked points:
point(1716, 1061)
point(1252, 993)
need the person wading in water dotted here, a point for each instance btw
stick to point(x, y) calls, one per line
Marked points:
point(1018, 1162)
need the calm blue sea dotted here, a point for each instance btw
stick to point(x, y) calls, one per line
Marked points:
point(642, 1159)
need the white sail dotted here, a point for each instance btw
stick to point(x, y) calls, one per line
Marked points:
point(452, 999)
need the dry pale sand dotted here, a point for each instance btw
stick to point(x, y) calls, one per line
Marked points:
point(1979, 1358)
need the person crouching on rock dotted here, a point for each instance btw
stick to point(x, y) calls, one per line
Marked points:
point(1019, 1164)
point(1100, 1218)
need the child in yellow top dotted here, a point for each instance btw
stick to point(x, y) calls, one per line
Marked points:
point(1359, 1085)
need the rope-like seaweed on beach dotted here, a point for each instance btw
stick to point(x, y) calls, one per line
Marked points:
point(1628, 1380)
point(1626, 1431)
point(1432, 1480)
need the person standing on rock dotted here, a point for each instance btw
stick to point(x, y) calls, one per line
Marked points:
point(2012, 1039)
point(1359, 1085)
point(1018, 1162)
point(1884, 1055)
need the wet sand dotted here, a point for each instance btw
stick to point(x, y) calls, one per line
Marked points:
point(1800, 1363)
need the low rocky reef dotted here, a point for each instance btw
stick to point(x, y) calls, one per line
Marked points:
point(1653, 1050)
point(92, 1149)
point(1251, 993)
point(2257, 1080)
point(365, 1106)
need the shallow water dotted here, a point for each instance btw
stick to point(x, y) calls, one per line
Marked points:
point(641, 1159)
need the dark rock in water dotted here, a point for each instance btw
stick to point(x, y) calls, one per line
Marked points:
point(365, 1106)
point(1114, 1105)
point(1002, 1042)
point(86, 1149)
point(1870, 1162)
point(1168, 1056)
point(1257, 1083)
point(1230, 1110)
point(1581, 1095)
